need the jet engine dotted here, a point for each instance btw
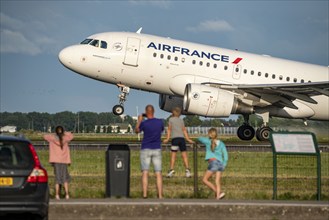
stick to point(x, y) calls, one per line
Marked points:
point(168, 102)
point(212, 102)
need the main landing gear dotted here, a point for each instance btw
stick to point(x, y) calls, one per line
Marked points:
point(246, 132)
point(119, 109)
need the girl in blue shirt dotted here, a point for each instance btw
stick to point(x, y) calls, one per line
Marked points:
point(217, 157)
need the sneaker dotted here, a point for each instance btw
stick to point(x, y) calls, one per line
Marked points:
point(170, 173)
point(221, 195)
point(188, 173)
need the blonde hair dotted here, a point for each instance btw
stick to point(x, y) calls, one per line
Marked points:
point(212, 133)
point(176, 112)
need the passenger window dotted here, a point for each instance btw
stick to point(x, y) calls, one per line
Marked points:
point(201, 63)
point(215, 65)
point(288, 79)
point(208, 64)
point(154, 54)
point(225, 67)
point(161, 56)
point(295, 80)
point(176, 58)
point(259, 73)
point(183, 60)
point(266, 75)
point(273, 76)
point(302, 81)
point(245, 71)
point(252, 72)
point(280, 77)
point(193, 61)
point(168, 57)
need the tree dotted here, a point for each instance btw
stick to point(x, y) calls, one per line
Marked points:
point(212, 123)
point(254, 120)
point(98, 129)
point(109, 129)
point(89, 120)
point(66, 119)
point(192, 121)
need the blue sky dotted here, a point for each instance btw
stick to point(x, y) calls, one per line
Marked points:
point(33, 33)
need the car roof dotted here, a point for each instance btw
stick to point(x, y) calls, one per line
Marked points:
point(13, 138)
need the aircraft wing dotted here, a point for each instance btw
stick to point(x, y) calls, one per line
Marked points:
point(280, 95)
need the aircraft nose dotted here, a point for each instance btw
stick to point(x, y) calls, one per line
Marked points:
point(64, 57)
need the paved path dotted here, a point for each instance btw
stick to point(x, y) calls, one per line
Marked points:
point(191, 209)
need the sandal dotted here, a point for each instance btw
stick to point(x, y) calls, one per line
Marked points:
point(221, 195)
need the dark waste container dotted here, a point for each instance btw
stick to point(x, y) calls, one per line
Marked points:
point(117, 170)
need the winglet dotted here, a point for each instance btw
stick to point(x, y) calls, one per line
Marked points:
point(139, 30)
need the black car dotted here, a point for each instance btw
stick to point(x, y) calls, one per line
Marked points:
point(24, 187)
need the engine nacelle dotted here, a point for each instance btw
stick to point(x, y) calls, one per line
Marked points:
point(212, 102)
point(168, 102)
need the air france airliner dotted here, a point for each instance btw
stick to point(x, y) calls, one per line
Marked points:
point(203, 80)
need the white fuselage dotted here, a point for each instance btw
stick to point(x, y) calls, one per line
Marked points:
point(166, 66)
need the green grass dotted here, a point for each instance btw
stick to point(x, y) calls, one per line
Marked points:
point(249, 175)
point(101, 137)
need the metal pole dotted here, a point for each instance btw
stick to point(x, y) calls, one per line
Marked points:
point(274, 176)
point(195, 169)
point(319, 174)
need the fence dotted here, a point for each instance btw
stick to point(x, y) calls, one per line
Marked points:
point(249, 174)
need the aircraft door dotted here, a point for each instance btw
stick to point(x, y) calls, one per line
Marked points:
point(132, 51)
point(237, 71)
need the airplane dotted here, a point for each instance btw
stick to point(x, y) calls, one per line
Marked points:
point(203, 80)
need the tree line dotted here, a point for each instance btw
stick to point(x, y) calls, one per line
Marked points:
point(76, 122)
point(87, 121)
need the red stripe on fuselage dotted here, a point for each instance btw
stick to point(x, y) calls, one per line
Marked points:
point(237, 60)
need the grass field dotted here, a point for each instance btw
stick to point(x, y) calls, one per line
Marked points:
point(249, 175)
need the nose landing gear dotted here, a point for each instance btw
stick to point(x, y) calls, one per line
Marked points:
point(119, 109)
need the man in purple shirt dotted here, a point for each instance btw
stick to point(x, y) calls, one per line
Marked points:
point(151, 147)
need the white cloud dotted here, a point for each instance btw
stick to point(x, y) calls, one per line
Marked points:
point(211, 26)
point(24, 36)
point(15, 42)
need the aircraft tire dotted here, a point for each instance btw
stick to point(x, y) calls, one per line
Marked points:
point(118, 110)
point(263, 133)
point(246, 132)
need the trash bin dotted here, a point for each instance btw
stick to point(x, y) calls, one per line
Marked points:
point(117, 171)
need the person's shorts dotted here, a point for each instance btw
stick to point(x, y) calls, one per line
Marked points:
point(61, 173)
point(178, 143)
point(148, 155)
point(215, 165)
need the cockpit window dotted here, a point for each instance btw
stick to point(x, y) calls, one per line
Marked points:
point(95, 43)
point(86, 41)
point(103, 44)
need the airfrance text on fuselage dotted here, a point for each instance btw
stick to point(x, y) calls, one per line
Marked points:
point(188, 52)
